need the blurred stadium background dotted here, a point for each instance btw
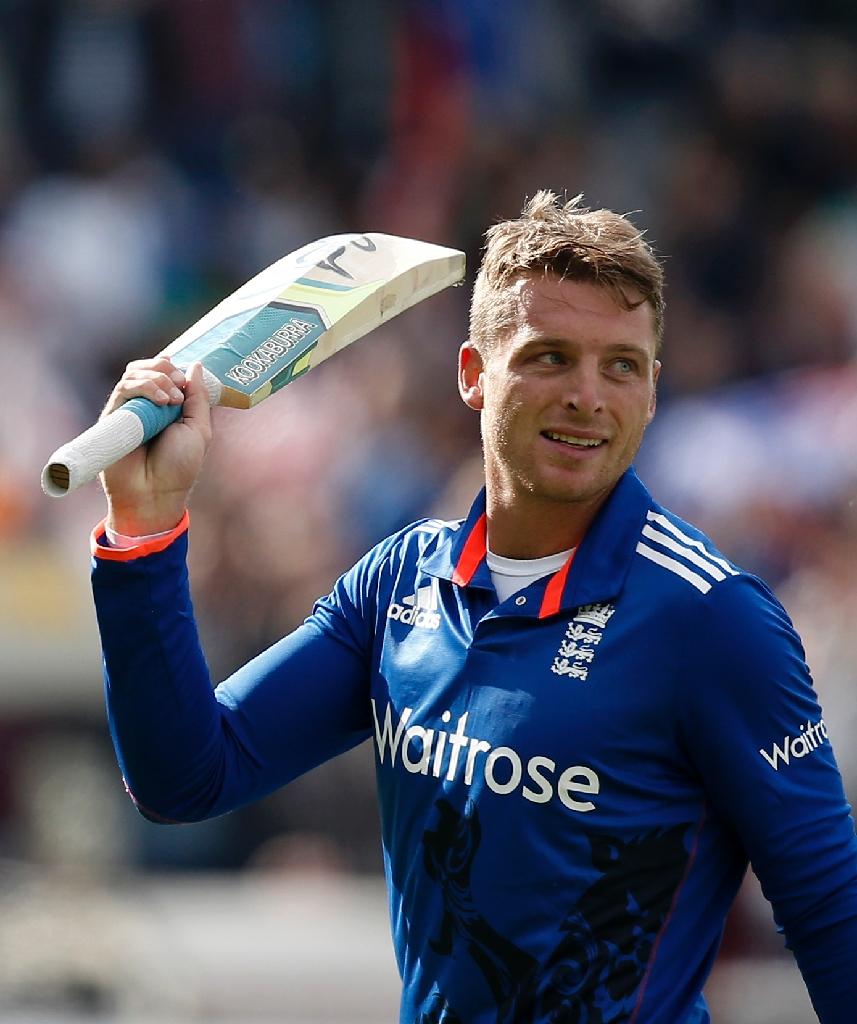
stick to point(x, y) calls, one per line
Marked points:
point(155, 154)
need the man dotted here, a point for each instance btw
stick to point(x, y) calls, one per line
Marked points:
point(586, 719)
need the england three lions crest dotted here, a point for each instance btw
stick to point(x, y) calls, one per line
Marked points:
point(580, 643)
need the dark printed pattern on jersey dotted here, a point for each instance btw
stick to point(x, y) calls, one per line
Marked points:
point(594, 973)
point(437, 1010)
point(448, 854)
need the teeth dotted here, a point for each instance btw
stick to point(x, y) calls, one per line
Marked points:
point(580, 442)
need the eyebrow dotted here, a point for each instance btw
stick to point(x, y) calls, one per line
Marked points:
point(629, 347)
point(616, 348)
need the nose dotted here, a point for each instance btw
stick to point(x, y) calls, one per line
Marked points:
point(583, 390)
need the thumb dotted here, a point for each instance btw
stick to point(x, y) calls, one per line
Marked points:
point(196, 409)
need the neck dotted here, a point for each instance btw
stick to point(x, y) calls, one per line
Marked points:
point(523, 529)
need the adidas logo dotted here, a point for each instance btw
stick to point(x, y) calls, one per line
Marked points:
point(418, 610)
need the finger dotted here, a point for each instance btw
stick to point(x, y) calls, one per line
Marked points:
point(143, 382)
point(140, 382)
point(158, 364)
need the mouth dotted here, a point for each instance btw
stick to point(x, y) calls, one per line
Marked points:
point(574, 440)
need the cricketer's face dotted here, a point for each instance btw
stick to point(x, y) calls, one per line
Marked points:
point(565, 396)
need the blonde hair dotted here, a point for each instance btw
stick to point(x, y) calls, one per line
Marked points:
point(573, 242)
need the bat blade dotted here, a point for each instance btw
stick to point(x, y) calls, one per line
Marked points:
point(287, 319)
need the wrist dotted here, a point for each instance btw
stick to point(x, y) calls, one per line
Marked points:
point(129, 549)
point(143, 522)
point(121, 540)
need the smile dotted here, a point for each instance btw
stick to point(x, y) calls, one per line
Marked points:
point(573, 440)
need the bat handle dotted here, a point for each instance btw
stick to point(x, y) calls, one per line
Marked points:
point(105, 442)
point(153, 418)
point(111, 439)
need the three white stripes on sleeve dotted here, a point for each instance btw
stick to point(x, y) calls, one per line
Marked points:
point(690, 549)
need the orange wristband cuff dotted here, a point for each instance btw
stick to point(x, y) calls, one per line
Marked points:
point(149, 547)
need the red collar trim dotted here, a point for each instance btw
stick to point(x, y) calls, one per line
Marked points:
point(552, 599)
point(474, 550)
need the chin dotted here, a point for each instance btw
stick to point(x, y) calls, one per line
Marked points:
point(565, 491)
point(579, 487)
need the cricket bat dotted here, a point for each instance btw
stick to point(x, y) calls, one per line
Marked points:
point(282, 322)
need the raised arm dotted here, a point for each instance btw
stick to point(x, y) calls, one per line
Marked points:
point(187, 751)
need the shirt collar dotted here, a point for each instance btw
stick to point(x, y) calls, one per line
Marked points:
point(595, 571)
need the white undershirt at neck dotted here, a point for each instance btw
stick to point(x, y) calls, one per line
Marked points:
point(509, 575)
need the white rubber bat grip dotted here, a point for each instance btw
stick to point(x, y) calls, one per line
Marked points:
point(111, 439)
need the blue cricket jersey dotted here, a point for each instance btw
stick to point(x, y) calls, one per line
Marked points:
point(571, 782)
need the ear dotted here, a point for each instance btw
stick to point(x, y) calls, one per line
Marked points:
point(470, 376)
point(653, 401)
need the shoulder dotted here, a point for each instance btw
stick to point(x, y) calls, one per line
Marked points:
point(410, 544)
point(724, 619)
point(678, 556)
point(368, 583)
point(356, 604)
point(683, 571)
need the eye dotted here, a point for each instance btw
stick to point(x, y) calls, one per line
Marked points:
point(624, 366)
point(551, 358)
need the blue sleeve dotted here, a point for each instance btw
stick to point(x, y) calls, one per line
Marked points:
point(754, 730)
point(189, 752)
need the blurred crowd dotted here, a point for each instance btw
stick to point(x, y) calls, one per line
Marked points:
point(155, 154)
